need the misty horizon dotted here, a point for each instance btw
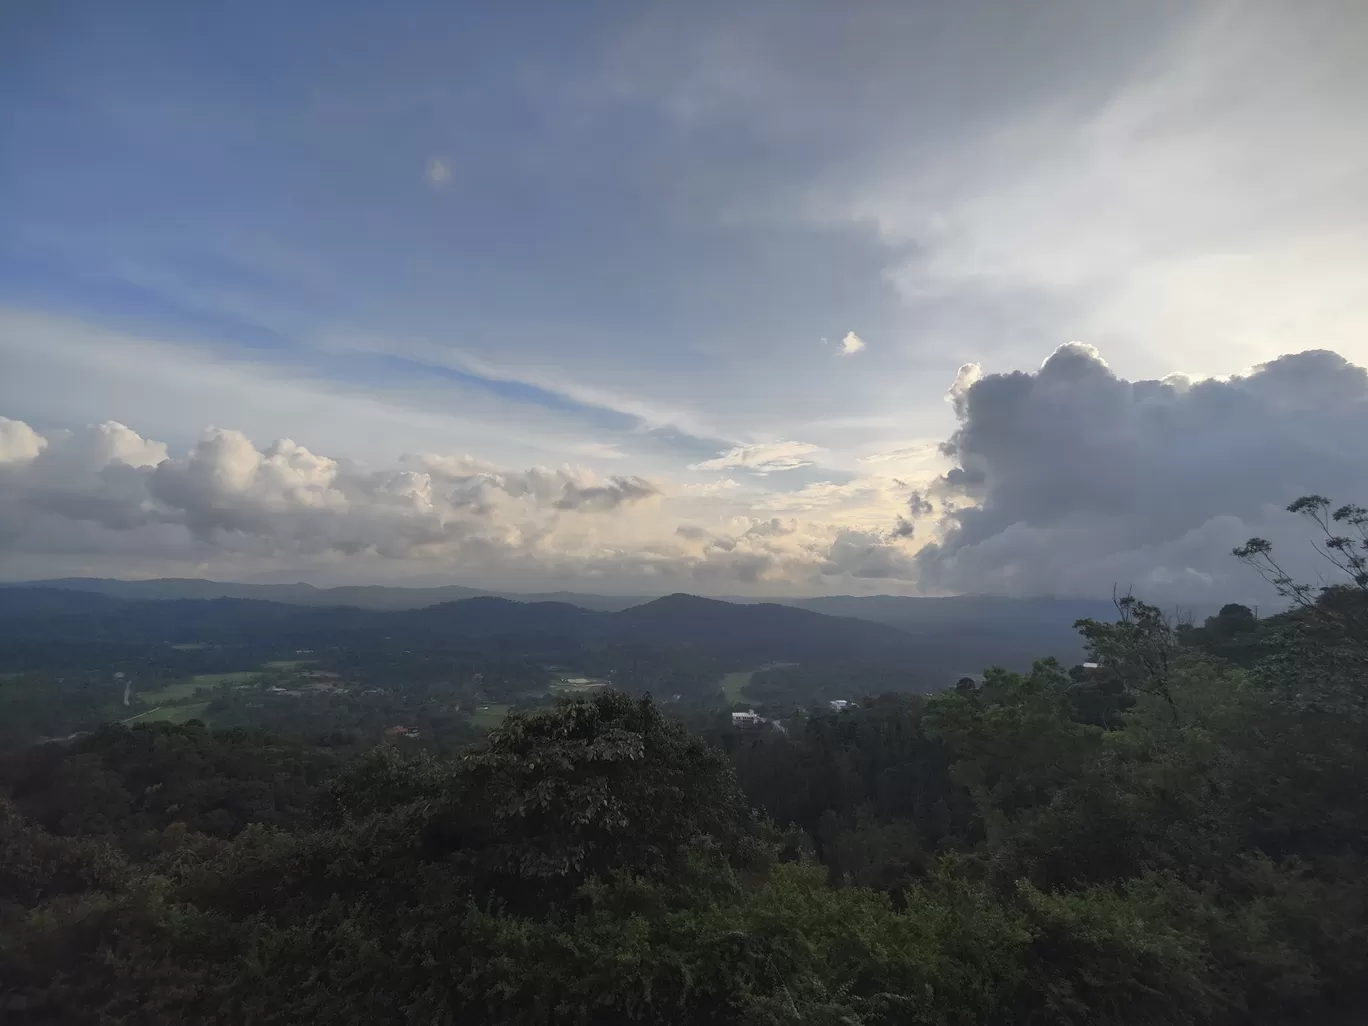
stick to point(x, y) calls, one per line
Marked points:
point(753, 300)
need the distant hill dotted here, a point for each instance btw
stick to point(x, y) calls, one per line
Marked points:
point(363, 596)
point(747, 633)
point(786, 631)
point(996, 631)
point(941, 636)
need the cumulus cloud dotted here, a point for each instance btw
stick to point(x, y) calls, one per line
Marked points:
point(1065, 480)
point(105, 497)
point(615, 492)
point(761, 457)
point(903, 528)
point(851, 344)
point(60, 493)
point(866, 554)
point(19, 442)
point(1072, 479)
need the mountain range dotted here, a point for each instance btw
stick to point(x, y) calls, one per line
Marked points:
point(749, 633)
point(943, 635)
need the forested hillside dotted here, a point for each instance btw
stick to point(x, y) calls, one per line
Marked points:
point(30, 616)
point(1176, 834)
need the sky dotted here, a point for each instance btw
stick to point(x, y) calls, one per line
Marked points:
point(761, 298)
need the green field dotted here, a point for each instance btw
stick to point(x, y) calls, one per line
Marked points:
point(183, 689)
point(192, 646)
point(565, 687)
point(734, 686)
point(287, 664)
point(171, 713)
point(211, 680)
point(489, 717)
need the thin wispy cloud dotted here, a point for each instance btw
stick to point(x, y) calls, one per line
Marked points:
point(906, 453)
point(761, 457)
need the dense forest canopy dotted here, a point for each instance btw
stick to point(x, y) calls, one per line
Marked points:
point(1172, 831)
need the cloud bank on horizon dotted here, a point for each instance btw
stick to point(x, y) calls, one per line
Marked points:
point(593, 250)
point(1066, 481)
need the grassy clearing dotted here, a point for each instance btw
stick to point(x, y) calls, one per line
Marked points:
point(489, 717)
point(287, 664)
point(171, 713)
point(192, 646)
point(213, 680)
point(180, 690)
point(734, 686)
point(566, 687)
point(181, 713)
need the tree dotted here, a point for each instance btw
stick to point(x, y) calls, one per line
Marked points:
point(554, 798)
point(1343, 602)
point(1137, 650)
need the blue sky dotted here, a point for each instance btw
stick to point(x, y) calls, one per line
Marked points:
point(629, 240)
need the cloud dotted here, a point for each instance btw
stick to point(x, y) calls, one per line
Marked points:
point(551, 386)
point(596, 451)
point(866, 554)
point(19, 443)
point(72, 491)
point(710, 488)
point(1071, 479)
point(438, 172)
point(905, 454)
point(904, 528)
point(851, 344)
point(761, 457)
point(103, 499)
point(820, 495)
point(1128, 209)
point(616, 492)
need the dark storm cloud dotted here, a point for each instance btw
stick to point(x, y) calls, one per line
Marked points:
point(1079, 479)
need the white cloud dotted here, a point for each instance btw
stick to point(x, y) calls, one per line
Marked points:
point(19, 443)
point(761, 457)
point(596, 450)
point(438, 172)
point(227, 494)
point(553, 380)
point(105, 500)
point(710, 488)
point(852, 343)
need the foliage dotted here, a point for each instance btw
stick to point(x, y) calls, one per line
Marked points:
point(1177, 834)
